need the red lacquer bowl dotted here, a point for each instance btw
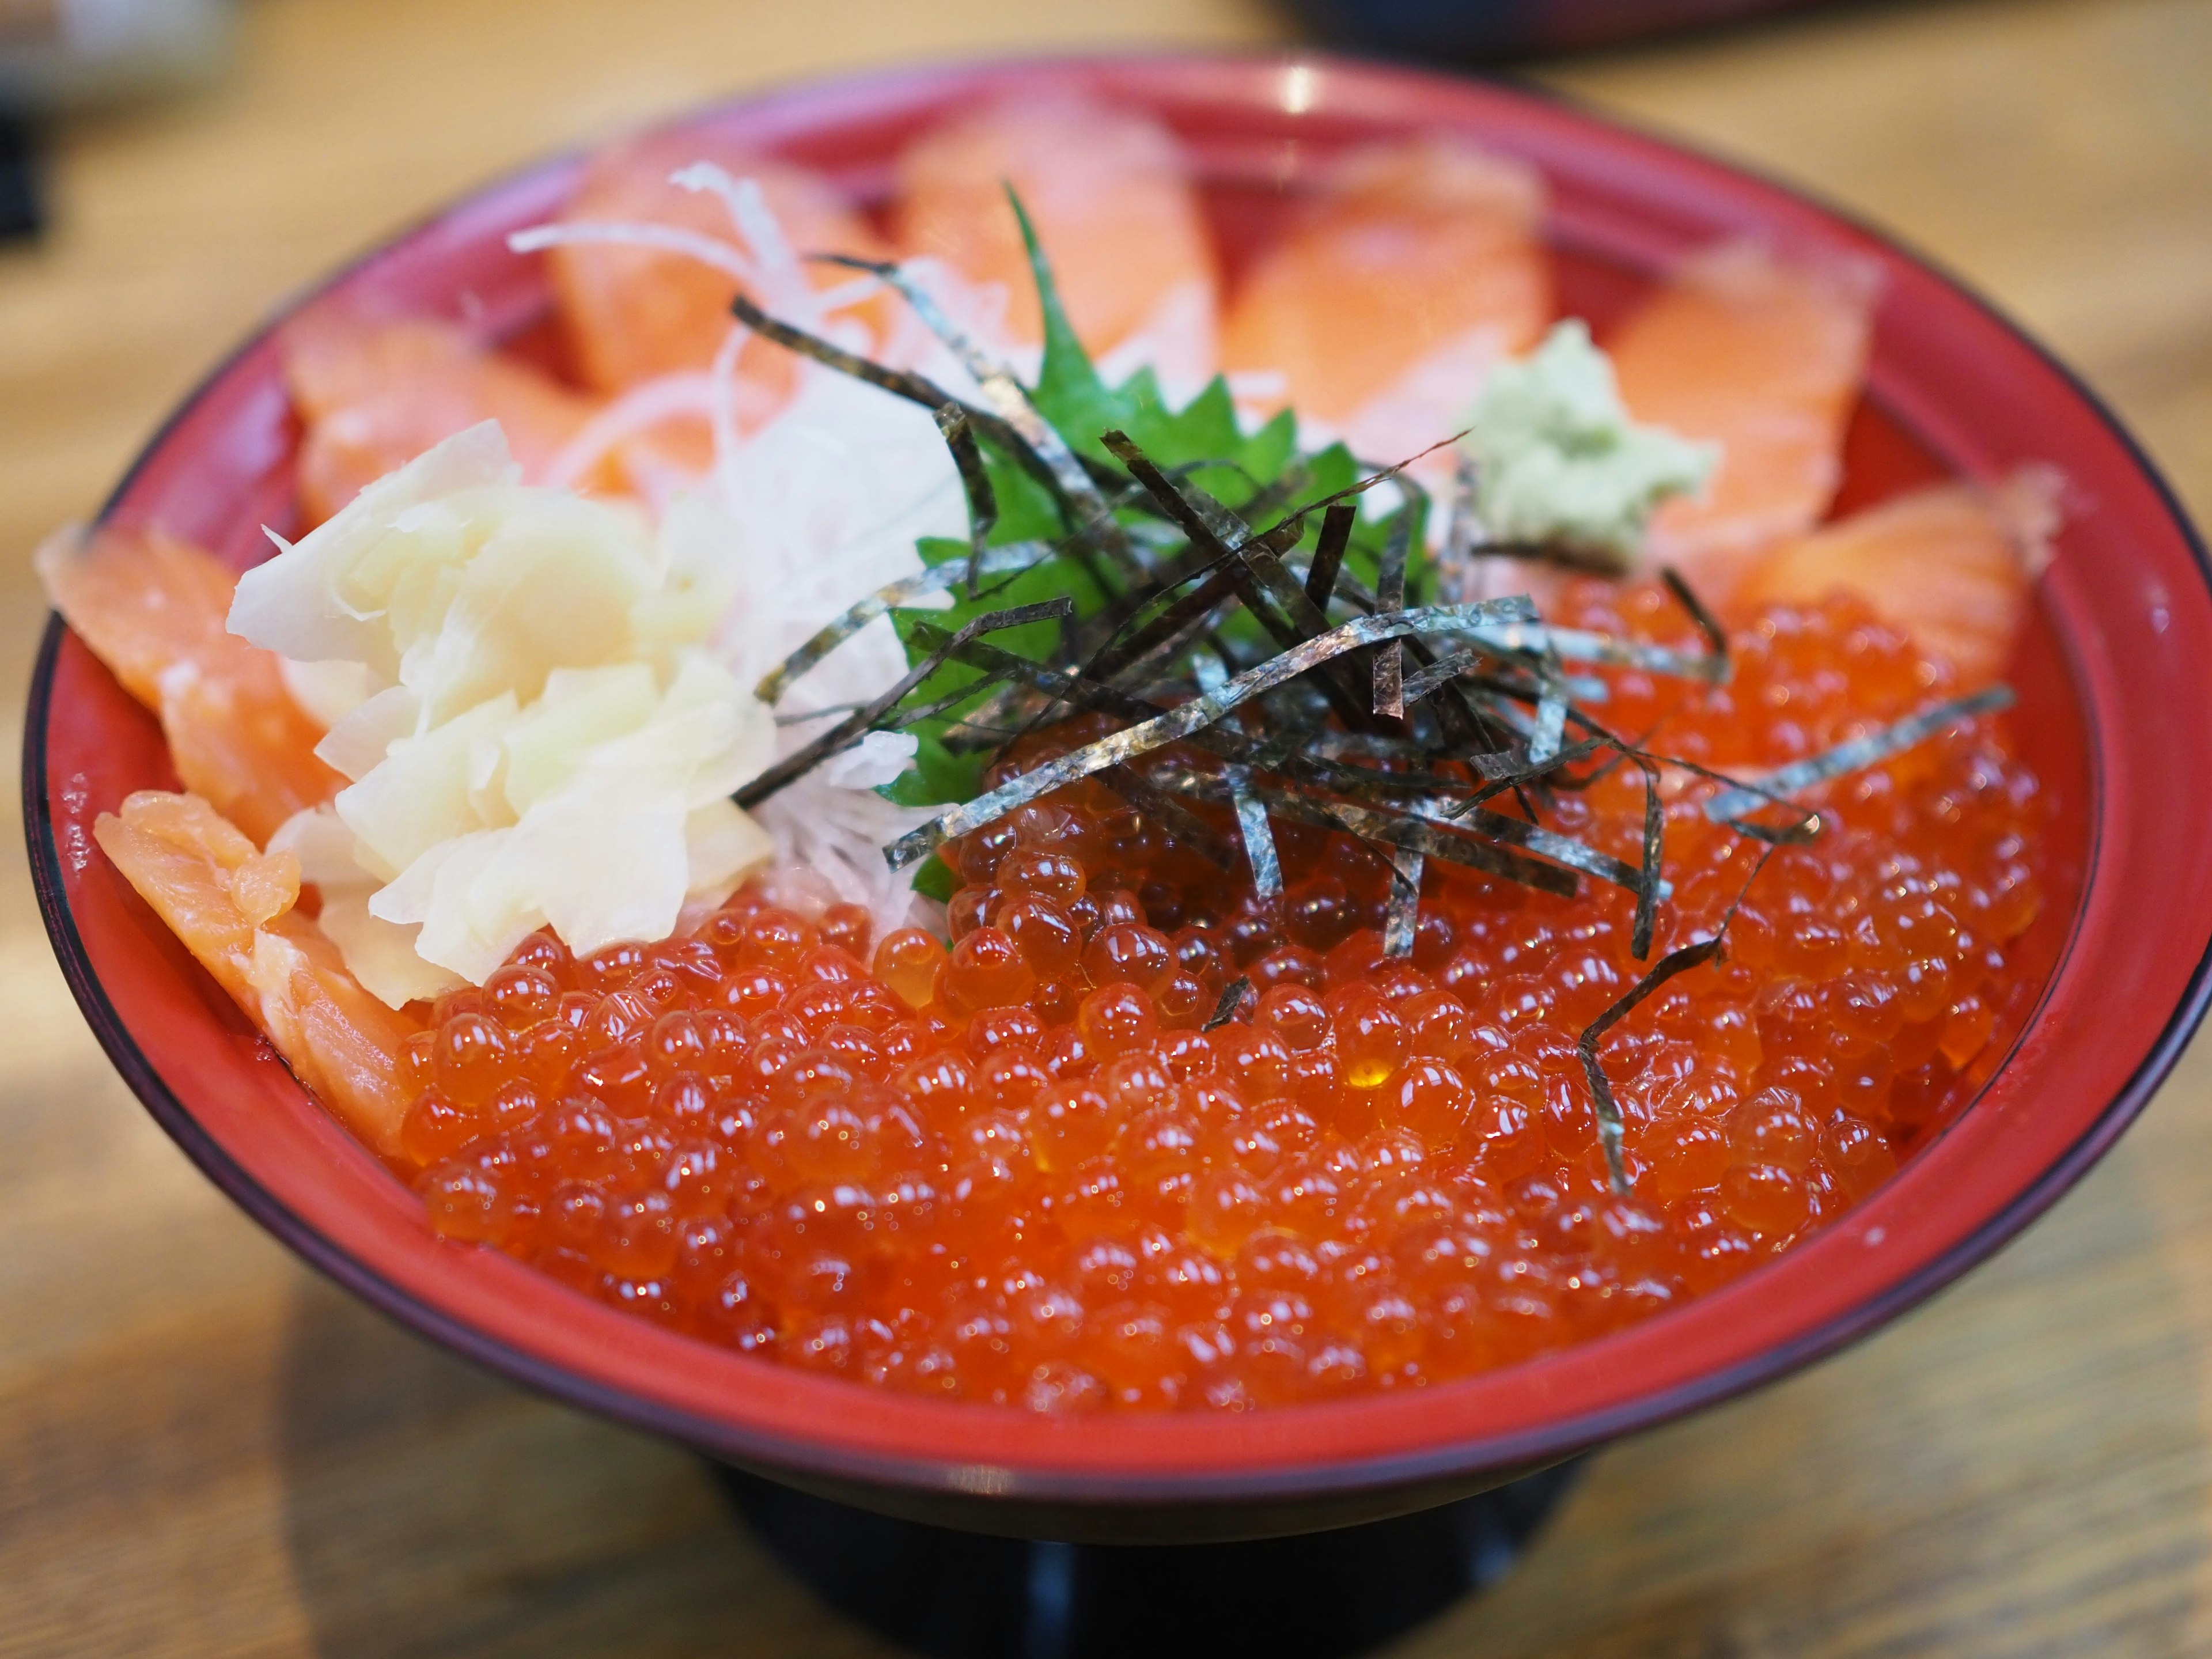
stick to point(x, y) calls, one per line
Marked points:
point(2116, 683)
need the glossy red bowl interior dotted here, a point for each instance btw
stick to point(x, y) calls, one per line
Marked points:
point(2116, 683)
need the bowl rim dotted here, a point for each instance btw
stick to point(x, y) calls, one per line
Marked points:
point(1041, 1480)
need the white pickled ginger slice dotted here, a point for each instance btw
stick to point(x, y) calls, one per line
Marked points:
point(422, 792)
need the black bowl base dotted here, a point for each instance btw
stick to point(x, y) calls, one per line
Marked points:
point(1322, 1595)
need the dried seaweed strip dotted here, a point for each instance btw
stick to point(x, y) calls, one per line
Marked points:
point(1366, 824)
point(1387, 673)
point(1173, 816)
point(917, 388)
point(1389, 676)
point(821, 714)
point(1609, 1125)
point(1651, 888)
point(1552, 696)
point(1196, 716)
point(854, 726)
point(1284, 534)
point(1506, 767)
point(1676, 962)
point(1419, 684)
point(1258, 835)
point(1545, 844)
point(1328, 553)
point(1455, 559)
point(1225, 1008)
point(1214, 527)
point(1379, 745)
point(1120, 654)
point(1402, 920)
point(1716, 636)
point(1529, 638)
point(1010, 559)
point(1422, 835)
point(907, 718)
point(1277, 603)
point(959, 434)
point(1856, 755)
point(1252, 826)
point(900, 382)
point(1805, 829)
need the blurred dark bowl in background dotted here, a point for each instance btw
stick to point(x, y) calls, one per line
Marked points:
point(1493, 30)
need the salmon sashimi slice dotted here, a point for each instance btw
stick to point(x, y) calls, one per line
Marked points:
point(1415, 265)
point(1952, 566)
point(156, 611)
point(636, 314)
point(1114, 210)
point(1765, 357)
point(232, 908)
point(374, 394)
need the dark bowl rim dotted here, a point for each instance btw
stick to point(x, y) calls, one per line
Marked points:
point(1549, 1442)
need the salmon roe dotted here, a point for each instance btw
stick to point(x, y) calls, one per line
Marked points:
point(1019, 1170)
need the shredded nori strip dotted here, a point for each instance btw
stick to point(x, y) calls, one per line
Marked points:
point(1716, 636)
point(1455, 559)
point(1328, 553)
point(1532, 638)
point(853, 727)
point(1225, 1008)
point(1449, 666)
point(1417, 834)
point(1173, 816)
point(1010, 559)
point(1390, 677)
point(1679, 961)
point(900, 382)
point(905, 718)
point(1858, 753)
point(1546, 843)
point(982, 502)
point(1252, 825)
point(1401, 921)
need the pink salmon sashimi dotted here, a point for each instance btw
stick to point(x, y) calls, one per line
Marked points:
point(1112, 207)
point(1767, 358)
point(156, 611)
point(1414, 265)
point(1952, 565)
point(374, 394)
point(635, 314)
point(233, 908)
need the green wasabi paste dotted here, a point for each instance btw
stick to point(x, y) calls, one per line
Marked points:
point(1557, 459)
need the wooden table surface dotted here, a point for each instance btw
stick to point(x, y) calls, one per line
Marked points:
point(205, 1449)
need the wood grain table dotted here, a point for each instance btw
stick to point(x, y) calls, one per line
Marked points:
point(205, 1449)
